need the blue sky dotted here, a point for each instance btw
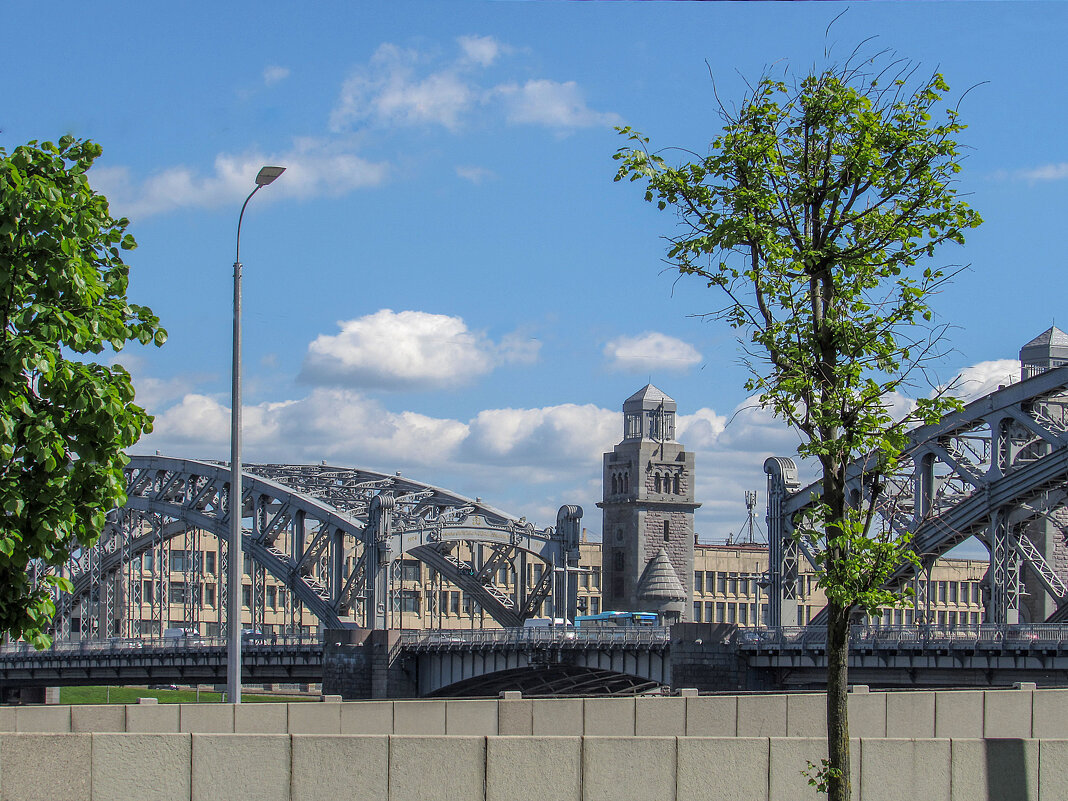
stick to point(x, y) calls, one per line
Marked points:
point(446, 281)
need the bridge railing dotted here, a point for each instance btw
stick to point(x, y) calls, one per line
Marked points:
point(543, 635)
point(119, 644)
point(1037, 635)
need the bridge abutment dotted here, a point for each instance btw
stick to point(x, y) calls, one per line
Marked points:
point(364, 664)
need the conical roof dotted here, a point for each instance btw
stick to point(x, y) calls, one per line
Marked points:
point(1050, 344)
point(659, 582)
point(649, 397)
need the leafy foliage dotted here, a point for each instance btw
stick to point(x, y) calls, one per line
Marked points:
point(815, 212)
point(64, 419)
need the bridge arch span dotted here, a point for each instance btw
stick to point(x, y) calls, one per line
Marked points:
point(331, 535)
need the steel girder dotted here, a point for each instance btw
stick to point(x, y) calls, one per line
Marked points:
point(329, 534)
point(991, 470)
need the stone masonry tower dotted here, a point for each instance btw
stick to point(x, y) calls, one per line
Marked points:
point(647, 542)
point(1047, 351)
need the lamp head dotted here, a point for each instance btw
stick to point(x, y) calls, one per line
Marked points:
point(268, 174)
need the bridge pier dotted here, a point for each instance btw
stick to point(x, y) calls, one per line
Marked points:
point(362, 664)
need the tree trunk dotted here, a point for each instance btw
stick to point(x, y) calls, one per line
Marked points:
point(839, 787)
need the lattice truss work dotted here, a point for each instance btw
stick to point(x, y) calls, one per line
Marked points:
point(333, 536)
point(997, 470)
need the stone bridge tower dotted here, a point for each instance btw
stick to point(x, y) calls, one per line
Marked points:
point(647, 551)
point(1047, 351)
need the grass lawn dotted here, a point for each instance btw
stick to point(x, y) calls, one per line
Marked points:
point(129, 695)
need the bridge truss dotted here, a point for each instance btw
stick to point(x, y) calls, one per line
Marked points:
point(996, 470)
point(333, 536)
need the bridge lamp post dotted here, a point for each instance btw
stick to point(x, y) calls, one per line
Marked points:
point(266, 176)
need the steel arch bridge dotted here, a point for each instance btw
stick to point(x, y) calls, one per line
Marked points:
point(332, 535)
point(996, 470)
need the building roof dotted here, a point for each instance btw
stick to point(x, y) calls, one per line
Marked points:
point(659, 582)
point(1050, 344)
point(649, 397)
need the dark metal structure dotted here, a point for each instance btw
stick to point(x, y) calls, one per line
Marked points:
point(997, 470)
point(332, 535)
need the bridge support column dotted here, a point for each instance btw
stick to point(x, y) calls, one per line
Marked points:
point(1004, 573)
point(569, 528)
point(782, 548)
point(379, 561)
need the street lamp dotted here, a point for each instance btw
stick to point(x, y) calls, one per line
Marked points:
point(234, 564)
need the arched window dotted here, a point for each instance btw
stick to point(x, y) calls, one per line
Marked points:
point(615, 484)
point(677, 484)
point(626, 482)
point(658, 482)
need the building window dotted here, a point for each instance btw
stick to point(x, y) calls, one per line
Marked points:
point(721, 585)
point(698, 581)
point(696, 611)
point(209, 595)
point(633, 426)
point(271, 597)
point(246, 595)
point(410, 570)
point(177, 592)
point(667, 531)
point(657, 482)
point(180, 561)
point(409, 601)
point(595, 606)
point(597, 578)
point(677, 484)
point(209, 559)
point(615, 485)
point(619, 534)
point(618, 559)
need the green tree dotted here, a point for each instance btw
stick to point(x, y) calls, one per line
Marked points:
point(816, 213)
point(64, 419)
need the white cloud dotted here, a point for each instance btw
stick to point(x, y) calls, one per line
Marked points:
point(568, 434)
point(1045, 172)
point(408, 350)
point(983, 378)
point(313, 168)
point(388, 92)
point(274, 74)
point(327, 424)
point(402, 87)
point(650, 351)
point(481, 50)
point(475, 175)
point(552, 104)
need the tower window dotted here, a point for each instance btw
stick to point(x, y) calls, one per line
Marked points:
point(618, 559)
point(658, 482)
point(677, 484)
point(626, 482)
point(667, 531)
point(615, 484)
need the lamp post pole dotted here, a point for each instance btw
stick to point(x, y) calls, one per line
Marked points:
point(234, 563)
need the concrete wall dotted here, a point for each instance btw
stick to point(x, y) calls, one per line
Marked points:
point(974, 745)
point(975, 714)
point(183, 766)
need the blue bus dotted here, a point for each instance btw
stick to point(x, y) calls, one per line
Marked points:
point(615, 619)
